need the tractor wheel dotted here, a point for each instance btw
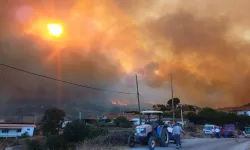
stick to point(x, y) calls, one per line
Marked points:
point(131, 141)
point(164, 139)
point(152, 143)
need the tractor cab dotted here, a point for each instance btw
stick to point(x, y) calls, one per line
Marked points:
point(152, 117)
point(151, 132)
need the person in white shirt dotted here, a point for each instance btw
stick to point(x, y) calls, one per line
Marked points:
point(217, 132)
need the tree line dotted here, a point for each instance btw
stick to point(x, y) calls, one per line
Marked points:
point(203, 116)
point(210, 116)
point(60, 138)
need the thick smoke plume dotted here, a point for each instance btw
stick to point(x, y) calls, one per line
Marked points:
point(204, 44)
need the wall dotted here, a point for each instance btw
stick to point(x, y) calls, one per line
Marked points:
point(14, 133)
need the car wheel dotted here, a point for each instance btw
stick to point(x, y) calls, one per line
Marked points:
point(131, 141)
point(152, 143)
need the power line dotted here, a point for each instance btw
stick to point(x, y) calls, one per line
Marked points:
point(63, 81)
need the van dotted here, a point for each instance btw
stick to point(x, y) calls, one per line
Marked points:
point(209, 128)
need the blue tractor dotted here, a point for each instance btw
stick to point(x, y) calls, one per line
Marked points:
point(153, 131)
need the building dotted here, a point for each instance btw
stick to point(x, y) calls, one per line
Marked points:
point(16, 130)
point(243, 110)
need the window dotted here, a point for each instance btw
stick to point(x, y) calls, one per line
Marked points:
point(19, 130)
point(5, 130)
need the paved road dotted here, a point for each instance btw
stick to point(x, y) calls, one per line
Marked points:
point(207, 144)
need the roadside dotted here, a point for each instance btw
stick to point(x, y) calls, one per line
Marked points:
point(206, 144)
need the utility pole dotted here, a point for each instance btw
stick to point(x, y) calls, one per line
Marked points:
point(80, 115)
point(172, 95)
point(138, 98)
point(182, 116)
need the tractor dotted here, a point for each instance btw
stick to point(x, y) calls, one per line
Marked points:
point(152, 132)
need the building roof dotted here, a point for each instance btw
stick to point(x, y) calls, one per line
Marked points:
point(233, 109)
point(109, 116)
point(11, 125)
point(186, 112)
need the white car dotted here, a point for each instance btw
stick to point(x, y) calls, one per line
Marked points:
point(209, 128)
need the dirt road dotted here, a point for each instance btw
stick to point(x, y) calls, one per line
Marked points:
point(207, 144)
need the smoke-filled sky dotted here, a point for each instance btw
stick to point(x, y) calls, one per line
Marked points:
point(204, 44)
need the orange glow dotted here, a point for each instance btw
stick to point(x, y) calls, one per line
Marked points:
point(113, 102)
point(120, 102)
point(89, 27)
point(157, 72)
point(55, 29)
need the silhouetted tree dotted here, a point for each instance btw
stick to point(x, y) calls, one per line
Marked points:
point(211, 116)
point(176, 102)
point(52, 121)
point(160, 107)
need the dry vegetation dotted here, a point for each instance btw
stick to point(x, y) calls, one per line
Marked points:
point(193, 131)
point(116, 140)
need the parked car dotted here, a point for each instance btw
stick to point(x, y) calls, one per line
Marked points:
point(209, 129)
point(247, 132)
point(228, 130)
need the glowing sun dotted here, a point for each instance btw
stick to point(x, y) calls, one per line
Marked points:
point(55, 29)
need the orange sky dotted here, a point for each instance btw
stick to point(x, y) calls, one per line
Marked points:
point(205, 44)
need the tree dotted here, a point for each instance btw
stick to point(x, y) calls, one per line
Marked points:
point(78, 131)
point(52, 121)
point(33, 145)
point(176, 102)
point(123, 122)
point(56, 142)
point(160, 107)
point(206, 110)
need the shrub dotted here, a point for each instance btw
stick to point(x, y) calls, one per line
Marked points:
point(78, 131)
point(190, 127)
point(33, 145)
point(123, 122)
point(56, 142)
point(95, 132)
point(25, 135)
point(112, 139)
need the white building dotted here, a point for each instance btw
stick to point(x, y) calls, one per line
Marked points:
point(243, 112)
point(16, 130)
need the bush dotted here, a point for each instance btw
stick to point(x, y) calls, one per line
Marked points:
point(190, 127)
point(33, 145)
point(78, 131)
point(95, 132)
point(25, 135)
point(56, 142)
point(123, 122)
point(112, 139)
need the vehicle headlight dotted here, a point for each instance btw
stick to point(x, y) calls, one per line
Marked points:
point(140, 130)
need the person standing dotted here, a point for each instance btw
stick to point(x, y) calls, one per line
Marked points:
point(177, 130)
point(217, 132)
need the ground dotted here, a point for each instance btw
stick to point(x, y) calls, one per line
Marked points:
point(207, 144)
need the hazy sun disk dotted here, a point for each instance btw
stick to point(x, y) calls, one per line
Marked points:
point(55, 29)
